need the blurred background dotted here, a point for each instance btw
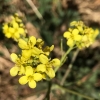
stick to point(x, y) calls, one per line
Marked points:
point(49, 22)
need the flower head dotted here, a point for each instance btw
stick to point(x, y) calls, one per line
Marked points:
point(72, 37)
point(47, 65)
point(18, 68)
point(80, 35)
point(30, 77)
point(15, 28)
point(33, 64)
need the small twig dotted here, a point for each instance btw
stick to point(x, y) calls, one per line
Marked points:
point(61, 47)
point(35, 9)
point(69, 67)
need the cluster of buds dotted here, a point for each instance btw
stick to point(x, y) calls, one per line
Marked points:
point(15, 28)
point(34, 63)
point(80, 35)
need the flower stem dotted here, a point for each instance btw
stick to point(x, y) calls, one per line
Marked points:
point(63, 58)
point(47, 97)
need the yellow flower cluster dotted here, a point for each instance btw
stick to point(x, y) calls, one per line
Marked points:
point(34, 63)
point(15, 28)
point(80, 35)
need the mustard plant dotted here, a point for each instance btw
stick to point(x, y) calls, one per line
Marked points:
point(34, 63)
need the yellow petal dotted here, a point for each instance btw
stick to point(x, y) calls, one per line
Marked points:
point(67, 35)
point(39, 43)
point(8, 35)
point(43, 59)
point(21, 70)
point(56, 62)
point(96, 32)
point(14, 71)
point(36, 51)
point(78, 38)
point(39, 40)
point(50, 72)
point(21, 25)
point(52, 47)
point(73, 23)
point(21, 31)
point(32, 40)
point(29, 70)
point(11, 30)
point(22, 44)
point(32, 84)
point(75, 32)
point(5, 26)
point(18, 20)
point(16, 35)
point(13, 57)
point(26, 53)
point(41, 67)
point(23, 80)
point(70, 42)
point(80, 28)
point(37, 77)
point(84, 38)
point(15, 24)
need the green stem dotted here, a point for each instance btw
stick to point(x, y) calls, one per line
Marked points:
point(47, 97)
point(63, 58)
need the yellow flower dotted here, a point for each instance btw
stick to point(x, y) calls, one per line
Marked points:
point(88, 37)
point(30, 77)
point(72, 37)
point(18, 68)
point(28, 47)
point(47, 65)
point(13, 29)
point(27, 44)
point(80, 35)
